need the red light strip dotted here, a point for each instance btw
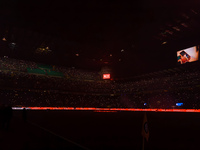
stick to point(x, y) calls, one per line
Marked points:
point(104, 111)
point(107, 109)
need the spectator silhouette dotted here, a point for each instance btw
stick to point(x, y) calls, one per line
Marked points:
point(6, 113)
point(24, 114)
point(1, 115)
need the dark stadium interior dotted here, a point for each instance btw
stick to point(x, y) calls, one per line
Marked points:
point(94, 30)
point(71, 71)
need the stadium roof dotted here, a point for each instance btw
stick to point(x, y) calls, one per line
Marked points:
point(129, 36)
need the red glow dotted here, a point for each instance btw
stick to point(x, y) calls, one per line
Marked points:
point(103, 111)
point(106, 76)
point(107, 109)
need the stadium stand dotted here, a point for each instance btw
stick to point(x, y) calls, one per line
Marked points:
point(161, 89)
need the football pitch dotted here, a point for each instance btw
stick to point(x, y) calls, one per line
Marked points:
point(54, 129)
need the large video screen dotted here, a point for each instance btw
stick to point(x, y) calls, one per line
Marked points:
point(188, 55)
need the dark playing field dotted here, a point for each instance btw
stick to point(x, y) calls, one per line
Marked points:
point(94, 130)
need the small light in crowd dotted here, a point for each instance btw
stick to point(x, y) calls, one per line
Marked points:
point(179, 104)
point(176, 28)
point(12, 45)
point(77, 54)
point(110, 55)
point(164, 43)
point(4, 39)
point(178, 20)
point(169, 32)
point(194, 11)
point(122, 50)
point(47, 47)
point(185, 16)
point(145, 104)
point(183, 24)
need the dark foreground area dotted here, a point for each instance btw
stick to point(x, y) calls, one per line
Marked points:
point(94, 130)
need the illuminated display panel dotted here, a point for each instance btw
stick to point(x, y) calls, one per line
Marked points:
point(179, 104)
point(188, 55)
point(107, 109)
point(106, 76)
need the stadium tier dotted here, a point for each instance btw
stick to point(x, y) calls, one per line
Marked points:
point(163, 89)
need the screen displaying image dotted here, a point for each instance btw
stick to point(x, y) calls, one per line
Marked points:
point(187, 55)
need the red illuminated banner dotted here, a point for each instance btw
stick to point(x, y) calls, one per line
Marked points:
point(107, 109)
point(106, 76)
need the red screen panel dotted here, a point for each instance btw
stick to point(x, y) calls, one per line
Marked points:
point(106, 76)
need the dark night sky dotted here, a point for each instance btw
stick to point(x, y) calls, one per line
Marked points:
point(96, 29)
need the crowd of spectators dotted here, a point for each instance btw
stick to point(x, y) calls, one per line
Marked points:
point(15, 65)
point(22, 65)
point(78, 74)
point(18, 87)
point(39, 98)
point(165, 92)
point(21, 80)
